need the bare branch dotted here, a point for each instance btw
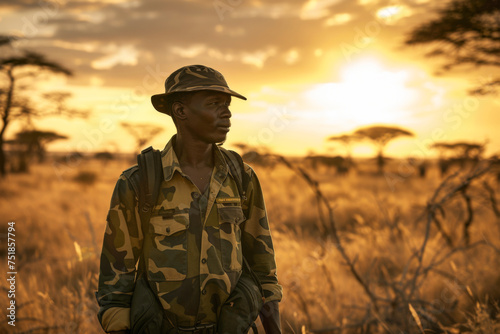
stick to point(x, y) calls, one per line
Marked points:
point(492, 197)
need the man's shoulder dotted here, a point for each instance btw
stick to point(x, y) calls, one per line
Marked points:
point(127, 173)
point(248, 169)
point(130, 176)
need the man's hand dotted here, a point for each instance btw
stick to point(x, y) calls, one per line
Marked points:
point(270, 317)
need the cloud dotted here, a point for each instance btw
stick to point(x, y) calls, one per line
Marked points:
point(259, 57)
point(106, 38)
point(255, 58)
point(368, 2)
point(292, 56)
point(86, 47)
point(116, 55)
point(15, 4)
point(232, 32)
point(338, 19)
point(191, 51)
point(316, 9)
point(392, 14)
point(258, 9)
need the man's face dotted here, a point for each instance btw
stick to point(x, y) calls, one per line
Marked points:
point(208, 116)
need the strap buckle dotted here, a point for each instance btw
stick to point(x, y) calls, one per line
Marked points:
point(150, 148)
point(197, 329)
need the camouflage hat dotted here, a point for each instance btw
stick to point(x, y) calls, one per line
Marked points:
point(192, 78)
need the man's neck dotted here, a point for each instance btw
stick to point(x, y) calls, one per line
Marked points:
point(193, 153)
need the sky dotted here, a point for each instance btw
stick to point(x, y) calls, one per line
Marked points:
point(310, 70)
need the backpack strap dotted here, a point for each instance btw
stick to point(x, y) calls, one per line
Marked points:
point(150, 172)
point(237, 170)
point(146, 180)
point(147, 186)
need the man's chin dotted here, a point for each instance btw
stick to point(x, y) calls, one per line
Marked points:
point(220, 140)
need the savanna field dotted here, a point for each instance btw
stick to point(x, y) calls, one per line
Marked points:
point(356, 252)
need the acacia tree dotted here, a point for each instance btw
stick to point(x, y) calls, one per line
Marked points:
point(458, 154)
point(461, 150)
point(467, 32)
point(36, 141)
point(29, 143)
point(142, 133)
point(381, 136)
point(346, 140)
point(14, 104)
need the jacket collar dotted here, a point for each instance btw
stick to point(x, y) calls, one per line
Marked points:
point(170, 162)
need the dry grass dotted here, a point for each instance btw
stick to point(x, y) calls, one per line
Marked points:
point(60, 222)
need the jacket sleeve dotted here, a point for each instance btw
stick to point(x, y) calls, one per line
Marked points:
point(121, 248)
point(257, 243)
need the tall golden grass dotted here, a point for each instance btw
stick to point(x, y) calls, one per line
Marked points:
point(378, 265)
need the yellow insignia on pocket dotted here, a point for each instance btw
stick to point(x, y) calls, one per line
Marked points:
point(228, 200)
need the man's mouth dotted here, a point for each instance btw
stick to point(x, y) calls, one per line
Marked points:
point(224, 125)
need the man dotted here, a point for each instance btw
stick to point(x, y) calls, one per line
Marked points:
point(201, 227)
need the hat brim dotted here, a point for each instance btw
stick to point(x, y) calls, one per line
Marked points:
point(159, 101)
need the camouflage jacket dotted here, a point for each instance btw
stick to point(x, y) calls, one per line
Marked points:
point(195, 244)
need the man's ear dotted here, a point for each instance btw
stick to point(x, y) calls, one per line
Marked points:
point(178, 110)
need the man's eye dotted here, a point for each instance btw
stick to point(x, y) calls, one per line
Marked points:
point(220, 104)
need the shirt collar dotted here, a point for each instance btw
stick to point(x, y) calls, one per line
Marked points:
point(170, 162)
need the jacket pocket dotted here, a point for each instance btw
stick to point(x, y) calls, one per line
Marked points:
point(146, 312)
point(167, 260)
point(230, 218)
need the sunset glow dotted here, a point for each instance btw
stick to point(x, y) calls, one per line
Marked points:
point(368, 146)
point(367, 93)
point(327, 66)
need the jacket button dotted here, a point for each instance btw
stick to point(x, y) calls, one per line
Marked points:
point(168, 229)
point(203, 260)
point(204, 292)
point(196, 195)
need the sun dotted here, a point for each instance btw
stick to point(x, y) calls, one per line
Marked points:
point(367, 93)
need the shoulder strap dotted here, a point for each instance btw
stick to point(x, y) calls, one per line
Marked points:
point(150, 173)
point(237, 170)
point(146, 183)
point(147, 186)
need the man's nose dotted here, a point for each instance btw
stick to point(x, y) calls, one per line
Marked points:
point(226, 113)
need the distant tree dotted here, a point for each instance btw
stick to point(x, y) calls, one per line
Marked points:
point(461, 149)
point(31, 143)
point(142, 133)
point(243, 147)
point(381, 136)
point(36, 141)
point(14, 105)
point(346, 140)
point(458, 153)
point(467, 32)
point(104, 156)
point(6, 40)
point(256, 155)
